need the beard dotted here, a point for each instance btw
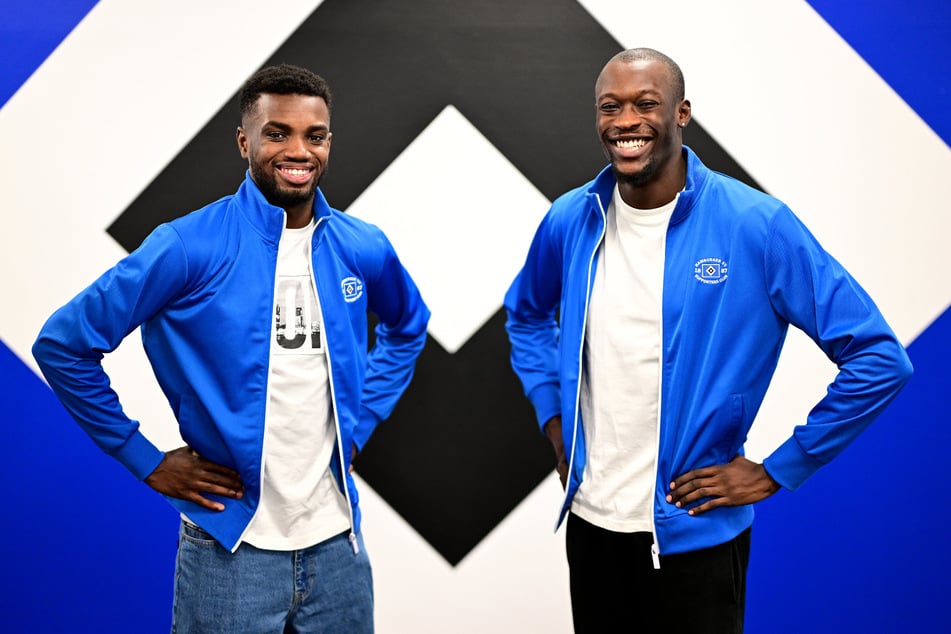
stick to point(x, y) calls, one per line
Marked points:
point(280, 196)
point(639, 178)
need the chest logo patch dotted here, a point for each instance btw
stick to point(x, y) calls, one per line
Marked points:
point(711, 271)
point(352, 289)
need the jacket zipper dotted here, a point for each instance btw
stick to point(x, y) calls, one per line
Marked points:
point(655, 549)
point(267, 394)
point(584, 327)
point(352, 537)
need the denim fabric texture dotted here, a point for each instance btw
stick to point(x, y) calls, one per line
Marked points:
point(325, 588)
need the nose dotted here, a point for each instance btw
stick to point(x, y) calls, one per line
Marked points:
point(297, 147)
point(629, 117)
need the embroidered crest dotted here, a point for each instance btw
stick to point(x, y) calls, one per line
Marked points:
point(710, 271)
point(352, 289)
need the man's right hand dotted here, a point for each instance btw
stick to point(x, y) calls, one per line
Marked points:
point(553, 431)
point(185, 475)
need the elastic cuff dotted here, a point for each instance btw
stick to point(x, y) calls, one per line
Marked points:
point(139, 455)
point(790, 466)
point(364, 429)
point(546, 399)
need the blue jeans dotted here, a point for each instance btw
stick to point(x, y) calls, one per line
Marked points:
point(324, 588)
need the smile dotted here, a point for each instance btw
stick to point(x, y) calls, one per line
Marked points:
point(296, 171)
point(296, 175)
point(630, 144)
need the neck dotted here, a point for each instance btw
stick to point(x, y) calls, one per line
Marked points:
point(658, 191)
point(299, 217)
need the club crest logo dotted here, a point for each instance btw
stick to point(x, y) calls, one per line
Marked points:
point(352, 289)
point(710, 271)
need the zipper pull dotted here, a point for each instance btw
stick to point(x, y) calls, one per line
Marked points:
point(655, 555)
point(356, 546)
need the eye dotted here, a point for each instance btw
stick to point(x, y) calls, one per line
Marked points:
point(646, 105)
point(318, 139)
point(274, 135)
point(608, 107)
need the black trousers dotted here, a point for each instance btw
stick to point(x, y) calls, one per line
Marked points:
point(615, 588)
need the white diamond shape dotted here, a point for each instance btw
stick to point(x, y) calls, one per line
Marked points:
point(462, 249)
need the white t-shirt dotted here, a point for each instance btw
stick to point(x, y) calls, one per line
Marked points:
point(300, 503)
point(620, 382)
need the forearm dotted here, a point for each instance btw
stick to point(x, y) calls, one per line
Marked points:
point(83, 388)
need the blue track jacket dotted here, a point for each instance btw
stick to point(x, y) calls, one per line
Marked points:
point(739, 269)
point(202, 289)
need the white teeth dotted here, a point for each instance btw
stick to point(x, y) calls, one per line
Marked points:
point(296, 171)
point(631, 145)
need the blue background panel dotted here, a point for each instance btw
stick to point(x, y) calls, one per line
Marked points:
point(29, 31)
point(86, 546)
point(908, 46)
point(881, 564)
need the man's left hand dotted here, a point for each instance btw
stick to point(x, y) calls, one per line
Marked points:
point(738, 482)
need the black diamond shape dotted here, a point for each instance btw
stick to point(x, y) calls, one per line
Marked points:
point(462, 449)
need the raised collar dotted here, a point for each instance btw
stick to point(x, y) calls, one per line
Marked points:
point(603, 185)
point(267, 219)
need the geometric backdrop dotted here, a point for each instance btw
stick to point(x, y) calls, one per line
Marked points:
point(507, 81)
point(861, 547)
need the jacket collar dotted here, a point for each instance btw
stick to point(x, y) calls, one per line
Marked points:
point(603, 186)
point(267, 219)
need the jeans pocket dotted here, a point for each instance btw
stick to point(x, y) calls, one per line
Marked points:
point(194, 534)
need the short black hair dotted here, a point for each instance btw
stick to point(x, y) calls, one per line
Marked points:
point(283, 79)
point(649, 54)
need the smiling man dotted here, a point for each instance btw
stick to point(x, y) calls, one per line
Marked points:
point(646, 325)
point(253, 313)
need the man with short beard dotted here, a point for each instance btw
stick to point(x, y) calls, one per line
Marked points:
point(649, 317)
point(254, 317)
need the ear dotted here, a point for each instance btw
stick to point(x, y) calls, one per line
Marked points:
point(683, 113)
point(242, 140)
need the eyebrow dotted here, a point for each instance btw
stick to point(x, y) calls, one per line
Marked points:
point(652, 92)
point(283, 126)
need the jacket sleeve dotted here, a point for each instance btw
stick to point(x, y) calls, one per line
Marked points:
point(531, 305)
point(400, 336)
point(812, 291)
point(71, 345)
